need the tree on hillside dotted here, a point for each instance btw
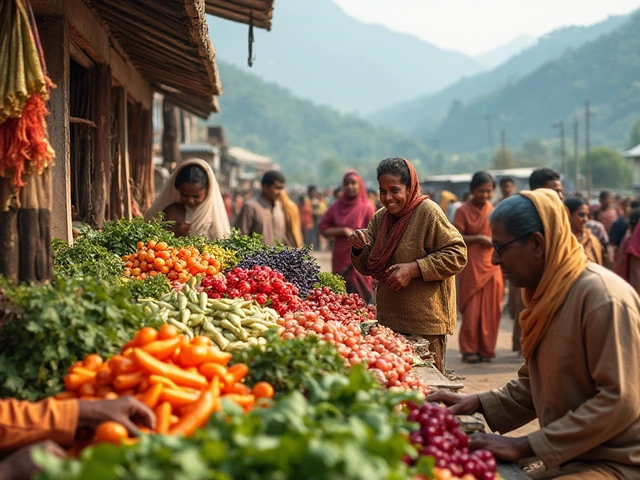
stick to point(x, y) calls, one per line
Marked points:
point(609, 169)
point(534, 153)
point(635, 134)
point(503, 159)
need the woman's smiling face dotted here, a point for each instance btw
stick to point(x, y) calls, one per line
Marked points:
point(393, 193)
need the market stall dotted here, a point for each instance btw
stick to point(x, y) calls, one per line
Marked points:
point(231, 326)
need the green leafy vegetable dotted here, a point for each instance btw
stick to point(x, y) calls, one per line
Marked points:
point(334, 282)
point(53, 326)
point(85, 258)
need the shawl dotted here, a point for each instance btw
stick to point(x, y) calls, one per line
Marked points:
point(564, 260)
point(591, 245)
point(393, 227)
point(353, 212)
point(446, 199)
point(208, 219)
point(292, 220)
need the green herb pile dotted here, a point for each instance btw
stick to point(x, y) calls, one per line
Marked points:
point(85, 259)
point(335, 283)
point(290, 365)
point(348, 429)
point(243, 244)
point(57, 325)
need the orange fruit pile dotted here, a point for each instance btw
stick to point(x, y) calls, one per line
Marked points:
point(182, 381)
point(176, 263)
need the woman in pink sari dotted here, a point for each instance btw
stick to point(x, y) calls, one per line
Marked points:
point(350, 212)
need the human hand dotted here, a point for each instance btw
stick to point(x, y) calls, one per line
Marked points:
point(399, 275)
point(347, 232)
point(20, 465)
point(182, 229)
point(124, 410)
point(457, 403)
point(485, 241)
point(509, 449)
point(359, 239)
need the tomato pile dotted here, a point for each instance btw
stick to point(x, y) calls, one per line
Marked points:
point(261, 284)
point(184, 382)
point(386, 354)
point(439, 436)
point(178, 264)
point(345, 308)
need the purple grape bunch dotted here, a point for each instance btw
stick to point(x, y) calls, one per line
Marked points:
point(439, 436)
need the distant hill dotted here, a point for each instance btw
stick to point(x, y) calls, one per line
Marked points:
point(497, 56)
point(420, 116)
point(311, 143)
point(605, 71)
point(319, 52)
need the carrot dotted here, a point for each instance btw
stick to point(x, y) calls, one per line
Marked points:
point(74, 381)
point(245, 401)
point(103, 390)
point(162, 349)
point(104, 376)
point(208, 402)
point(178, 397)
point(127, 381)
point(152, 396)
point(153, 379)
point(84, 371)
point(239, 371)
point(211, 369)
point(174, 419)
point(152, 365)
point(163, 417)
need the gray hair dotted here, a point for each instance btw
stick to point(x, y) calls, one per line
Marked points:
point(519, 216)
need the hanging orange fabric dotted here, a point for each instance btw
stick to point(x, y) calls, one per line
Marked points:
point(565, 260)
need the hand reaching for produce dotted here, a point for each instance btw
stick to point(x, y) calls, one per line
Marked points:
point(399, 275)
point(124, 410)
point(359, 239)
point(182, 229)
point(510, 449)
point(20, 465)
point(458, 404)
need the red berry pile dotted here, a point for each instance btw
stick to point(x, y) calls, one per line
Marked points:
point(439, 436)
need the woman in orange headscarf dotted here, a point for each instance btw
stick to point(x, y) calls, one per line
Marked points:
point(414, 252)
point(578, 217)
point(481, 286)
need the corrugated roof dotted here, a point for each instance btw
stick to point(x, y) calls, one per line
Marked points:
point(634, 152)
point(168, 42)
point(257, 12)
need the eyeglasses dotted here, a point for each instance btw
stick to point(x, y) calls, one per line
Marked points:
point(500, 248)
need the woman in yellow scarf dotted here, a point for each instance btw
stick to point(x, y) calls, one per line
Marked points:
point(578, 217)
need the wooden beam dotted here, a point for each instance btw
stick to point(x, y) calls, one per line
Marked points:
point(103, 143)
point(123, 136)
point(126, 74)
point(54, 31)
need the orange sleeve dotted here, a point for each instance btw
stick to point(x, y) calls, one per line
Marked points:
point(23, 423)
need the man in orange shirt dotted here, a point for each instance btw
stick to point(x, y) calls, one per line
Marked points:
point(51, 423)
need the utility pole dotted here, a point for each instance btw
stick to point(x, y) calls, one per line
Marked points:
point(503, 142)
point(575, 153)
point(490, 135)
point(565, 171)
point(587, 145)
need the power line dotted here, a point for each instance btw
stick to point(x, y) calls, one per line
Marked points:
point(587, 144)
point(565, 170)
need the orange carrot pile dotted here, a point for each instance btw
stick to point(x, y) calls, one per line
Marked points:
point(177, 264)
point(183, 382)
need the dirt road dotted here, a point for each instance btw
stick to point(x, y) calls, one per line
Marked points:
point(481, 376)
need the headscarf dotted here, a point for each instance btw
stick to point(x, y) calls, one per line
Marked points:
point(208, 219)
point(353, 212)
point(292, 220)
point(446, 198)
point(393, 228)
point(565, 260)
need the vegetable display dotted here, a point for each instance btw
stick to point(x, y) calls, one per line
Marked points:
point(232, 324)
point(183, 381)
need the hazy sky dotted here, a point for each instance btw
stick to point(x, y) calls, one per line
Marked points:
point(475, 26)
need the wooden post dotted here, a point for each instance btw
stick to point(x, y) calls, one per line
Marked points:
point(103, 143)
point(123, 136)
point(170, 133)
point(54, 32)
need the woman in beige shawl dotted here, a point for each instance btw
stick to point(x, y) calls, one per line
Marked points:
point(192, 198)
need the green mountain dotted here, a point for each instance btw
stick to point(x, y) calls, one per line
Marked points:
point(605, 71)
point(319, 52)
point(419, 116)
point(311, 143)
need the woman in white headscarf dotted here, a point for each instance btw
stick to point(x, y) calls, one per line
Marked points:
point(193, 200)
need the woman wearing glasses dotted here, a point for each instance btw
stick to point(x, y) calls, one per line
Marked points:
point(578, 218)
point(481, 286)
